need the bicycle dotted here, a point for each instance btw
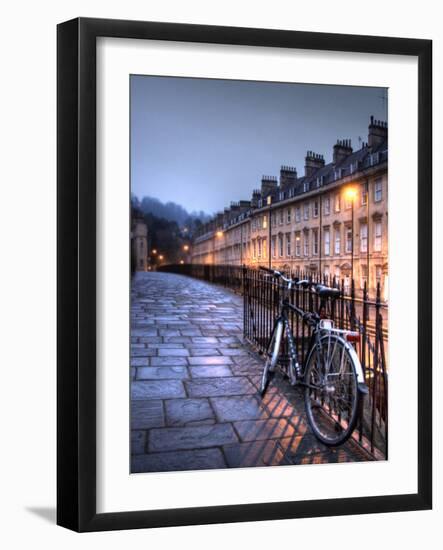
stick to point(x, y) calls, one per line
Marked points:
point(332, 376)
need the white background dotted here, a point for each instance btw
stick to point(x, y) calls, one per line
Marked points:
point(27, 218)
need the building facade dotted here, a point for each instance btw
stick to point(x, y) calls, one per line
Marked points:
point(139, 244)
point(332, 221)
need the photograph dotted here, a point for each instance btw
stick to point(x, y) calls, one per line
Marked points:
point(259, 274)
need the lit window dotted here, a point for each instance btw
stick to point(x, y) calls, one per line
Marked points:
point(259, 248)
point(306, 243)
point(377, 237)
point(297, 244)
point(315, 241)
point(315, 209)
point(327, 206)
point(364, 237)
point(337, 239)
point(326, 236)
point(348, 239)
point(364, 195)
point(265, 222)
point(337, 203)
point(264, 247)
point(363, 275)
point(378, 274)
point(378, 192)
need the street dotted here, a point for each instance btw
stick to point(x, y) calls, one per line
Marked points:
point(194, 386)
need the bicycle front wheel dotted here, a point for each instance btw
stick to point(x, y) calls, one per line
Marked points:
point(331, 396)
point(271, 357)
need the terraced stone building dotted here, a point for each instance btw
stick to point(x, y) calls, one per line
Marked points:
point(332, 220)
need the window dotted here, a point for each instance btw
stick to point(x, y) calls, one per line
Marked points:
point(315, 209)
point(378, 274)
point(364, 194)
point(315, 241)
point(337, 242)
point(288, 245)
point(327, 207)
point(280, 216)
point(348, 239)
point(348, 203)
point(337, 203)
point(378, 192)
point(306, 243)
point(264, 248)
point(337, 274)
point(280, 245)
point(327, 239)
point(259, 248)
point(273, 249)
point(377, 236)
point(273, 219)
point(364, 237)
point(265, 222)
point(254, 248)
point(281, 195)
point(306, 211)
point(297, 214)
point(363, 275)
point(288, 216)
point(297, 244)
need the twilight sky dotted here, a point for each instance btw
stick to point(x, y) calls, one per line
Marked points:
point(203, 143)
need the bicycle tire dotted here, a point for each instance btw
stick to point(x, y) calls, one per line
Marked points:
point(330, 425)
point(272, 356)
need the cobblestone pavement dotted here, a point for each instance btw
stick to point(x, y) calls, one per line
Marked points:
point(194, 386)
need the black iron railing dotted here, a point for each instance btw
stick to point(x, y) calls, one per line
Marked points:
point(261, 299)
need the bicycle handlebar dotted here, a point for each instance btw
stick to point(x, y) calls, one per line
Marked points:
point(304, 283)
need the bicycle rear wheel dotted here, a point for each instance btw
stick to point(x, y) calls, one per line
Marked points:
point(332, 397)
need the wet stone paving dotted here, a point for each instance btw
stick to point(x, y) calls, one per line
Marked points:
point(194, 386)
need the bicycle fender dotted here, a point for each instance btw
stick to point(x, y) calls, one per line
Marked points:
point(278, 337)
point(356, 360)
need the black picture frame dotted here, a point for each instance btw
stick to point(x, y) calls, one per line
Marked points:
point(76, 281)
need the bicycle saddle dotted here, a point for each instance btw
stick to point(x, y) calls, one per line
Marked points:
point(327, 291)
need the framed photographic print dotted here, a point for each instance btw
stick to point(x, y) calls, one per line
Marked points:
point(244, 274)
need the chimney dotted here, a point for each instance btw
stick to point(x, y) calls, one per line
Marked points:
point(313, 162)
point(288, 176)
point(268, 184)
point(255, 197)
point(377, 133)
point(342, 149)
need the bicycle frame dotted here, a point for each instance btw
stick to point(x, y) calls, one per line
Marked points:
point(282, 326)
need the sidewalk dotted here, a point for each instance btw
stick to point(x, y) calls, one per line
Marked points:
point(194, 386)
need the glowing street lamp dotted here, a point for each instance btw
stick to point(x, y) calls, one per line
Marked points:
point(219, 234)
point(154, 251)
point(161, 257)
point(182, 262)
point(186, 247)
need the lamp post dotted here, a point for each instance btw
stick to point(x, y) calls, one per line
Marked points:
point(269, 199)
point(350, 194)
